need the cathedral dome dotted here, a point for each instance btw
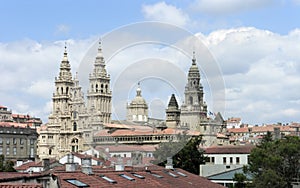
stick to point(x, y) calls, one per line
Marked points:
point(138, 98)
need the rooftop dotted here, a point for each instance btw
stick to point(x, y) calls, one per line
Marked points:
point(230, 149)
point(152, 176)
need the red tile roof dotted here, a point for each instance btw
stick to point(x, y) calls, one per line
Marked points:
point(20, 185)
point(143, 130)
point(20, 116)
point(124, 147)
point(238, 149)
point(27, 165)
point(13, 124)
point(95, 180)
point(261, 129)
point(6, 176)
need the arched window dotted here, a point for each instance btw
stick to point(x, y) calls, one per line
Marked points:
point(50, 151)
point(96, 87)
point(67, 90)
point(62, 90)
point(74, 126)
point(74, 145)
point(74, 114)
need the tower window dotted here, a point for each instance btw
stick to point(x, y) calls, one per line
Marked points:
point(191, 100)
point(67, 90)
point(74, 126)
point(96, 87)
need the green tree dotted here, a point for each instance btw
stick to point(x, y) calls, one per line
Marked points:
point(185, 153)
point(275, 163)
point(6, 165)
point(240, 180)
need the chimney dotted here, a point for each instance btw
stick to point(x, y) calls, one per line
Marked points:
point(19, 163)
point(169, 164)
point(119, 166)
point(46, 164)
point(70, 165)
point(86, 165)
point(276, 133)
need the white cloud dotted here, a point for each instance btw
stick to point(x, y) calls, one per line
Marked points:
point(165, 13)
point(28, 69)
point(221, 7)
point(261, 72)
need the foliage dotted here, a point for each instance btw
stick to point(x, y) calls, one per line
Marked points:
point(185, 153)
point(240, 180)
point(275, 163)
point(6, 166)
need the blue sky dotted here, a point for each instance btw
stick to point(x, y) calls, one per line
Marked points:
point(255, 42)
point(54, 20)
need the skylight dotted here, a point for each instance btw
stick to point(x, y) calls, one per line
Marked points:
point(127, 177)
point(108, 179)
point(156, 175)
point(138, 176)
point(77, 183)
point(171, 174)
point(180, 173)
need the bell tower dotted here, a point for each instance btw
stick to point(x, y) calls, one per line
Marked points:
point(194, 109)
point(99, 94)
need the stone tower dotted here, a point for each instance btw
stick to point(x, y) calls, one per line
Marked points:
point(99, 94)
point(194, 109)
point(173, 113)
point(63, 133)
point(137, 110)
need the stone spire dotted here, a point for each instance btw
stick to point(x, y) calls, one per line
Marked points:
point(173, 113)
point(173, 103)
point(65, 68)
point(194, 109)
point(99, 65)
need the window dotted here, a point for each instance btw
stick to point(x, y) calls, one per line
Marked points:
point(74, 145)
point(7, 151)
point(108, 179)
point(7, 140)
point(15, 151)
point(21, 141)
point(1, 150)
point(224, 160)
point(207, 160)
point(231, 160)
point(50, 137)
point(138, 176)
point(213, 159)
point(77, 183)
point(237, 160)
point(32, 141)
point(1, 141)
point(31, 152)
point(126, 177)
point(74, 126)
point(14, 140)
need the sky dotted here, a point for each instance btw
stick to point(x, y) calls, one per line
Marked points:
point(254, 44)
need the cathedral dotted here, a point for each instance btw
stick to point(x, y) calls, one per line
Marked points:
point(76, 124)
